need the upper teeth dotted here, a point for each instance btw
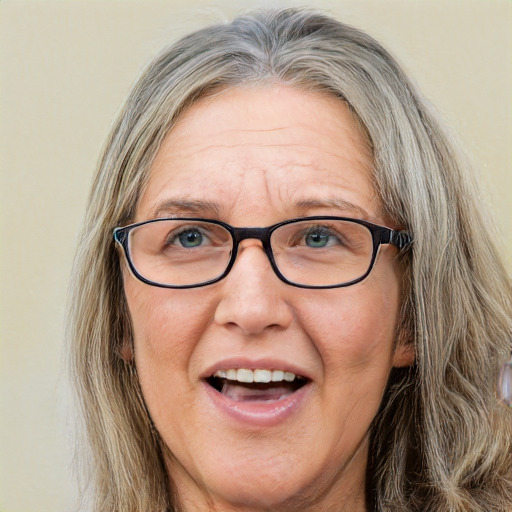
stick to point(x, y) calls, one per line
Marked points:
point(246, 375)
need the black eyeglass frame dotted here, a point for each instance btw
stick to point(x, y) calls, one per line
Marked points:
point(380, 236)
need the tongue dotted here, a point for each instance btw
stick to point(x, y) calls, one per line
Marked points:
point(256, 392)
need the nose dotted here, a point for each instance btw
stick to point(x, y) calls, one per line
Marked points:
point(253, 297)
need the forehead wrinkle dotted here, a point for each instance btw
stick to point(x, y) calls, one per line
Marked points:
point(265, 197)
point(210, 147)
point(357, 139)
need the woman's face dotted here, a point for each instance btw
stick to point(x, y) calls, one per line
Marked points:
point(255, 157)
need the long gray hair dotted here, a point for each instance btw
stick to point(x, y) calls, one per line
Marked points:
point(441, 441)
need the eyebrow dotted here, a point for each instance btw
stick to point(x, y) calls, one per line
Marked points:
point(210, 209)
point(185, 207)
point(305, 205)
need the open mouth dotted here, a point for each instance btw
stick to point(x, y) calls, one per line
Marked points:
point(261, 385)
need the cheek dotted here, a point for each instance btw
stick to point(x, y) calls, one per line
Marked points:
point(354, 329)
point(167, 328)
point(167, 324)
point(355, 339)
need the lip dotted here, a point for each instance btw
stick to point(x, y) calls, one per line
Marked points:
point(257, 414)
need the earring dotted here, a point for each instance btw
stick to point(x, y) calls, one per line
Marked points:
point(505, 382)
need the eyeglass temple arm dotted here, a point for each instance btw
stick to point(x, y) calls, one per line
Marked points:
point(399, 239)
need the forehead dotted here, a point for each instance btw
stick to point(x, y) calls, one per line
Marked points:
point(246, 150)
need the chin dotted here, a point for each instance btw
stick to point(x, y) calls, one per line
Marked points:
point(264, 483)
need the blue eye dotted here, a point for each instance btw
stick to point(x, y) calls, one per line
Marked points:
point(318, 238)
point(191, 238)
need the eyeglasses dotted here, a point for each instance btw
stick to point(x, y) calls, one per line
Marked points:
point(308, 252)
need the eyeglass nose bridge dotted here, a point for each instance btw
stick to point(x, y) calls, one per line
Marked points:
point(261, 234)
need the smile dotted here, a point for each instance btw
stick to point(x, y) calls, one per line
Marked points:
point(259, 385)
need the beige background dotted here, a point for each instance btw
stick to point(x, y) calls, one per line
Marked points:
point(65, 68)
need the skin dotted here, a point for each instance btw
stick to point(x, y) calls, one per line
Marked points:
point(260, 156)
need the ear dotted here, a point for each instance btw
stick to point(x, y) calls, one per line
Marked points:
point(126, 351)
point(404, 355)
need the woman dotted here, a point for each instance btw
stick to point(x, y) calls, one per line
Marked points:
point(301, 307)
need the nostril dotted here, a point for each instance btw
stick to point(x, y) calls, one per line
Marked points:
point(252, 308)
